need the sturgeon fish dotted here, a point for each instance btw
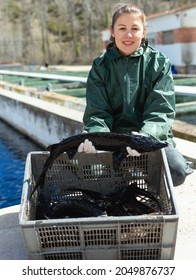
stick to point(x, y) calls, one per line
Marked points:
point(104, 141)
point(76, 203)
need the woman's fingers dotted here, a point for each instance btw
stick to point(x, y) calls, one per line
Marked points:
point(87, 147)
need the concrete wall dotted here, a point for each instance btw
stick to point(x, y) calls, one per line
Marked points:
point(179, 54)
point(44, 122)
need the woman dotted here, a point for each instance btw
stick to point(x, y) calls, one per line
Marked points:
point(130, 89)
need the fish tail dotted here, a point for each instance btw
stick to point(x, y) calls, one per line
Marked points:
point(39, 183)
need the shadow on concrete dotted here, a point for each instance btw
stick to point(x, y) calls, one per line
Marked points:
point(11, 243)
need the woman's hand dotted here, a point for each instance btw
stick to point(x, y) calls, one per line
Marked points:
point(132, 152)
point(87, 147)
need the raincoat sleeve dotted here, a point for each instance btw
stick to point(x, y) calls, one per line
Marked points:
point(98, 113)
point(159, 108)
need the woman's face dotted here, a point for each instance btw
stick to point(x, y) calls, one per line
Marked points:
point(128, 32)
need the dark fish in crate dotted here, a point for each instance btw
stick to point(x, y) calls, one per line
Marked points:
point(77, 203)
point(73, 204)
point(104, 141)
point(130, 200)
point(137, 201)
point(44, 209)
point(75, 208)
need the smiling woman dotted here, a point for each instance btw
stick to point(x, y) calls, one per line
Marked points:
point(128, 29)
point(130, 89)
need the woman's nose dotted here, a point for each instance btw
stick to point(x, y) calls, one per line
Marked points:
point(129, 33)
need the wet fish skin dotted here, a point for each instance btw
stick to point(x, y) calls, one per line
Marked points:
point(87, 203)
point(75, 208)
point(105, 141)
point(108, 141)
point(128, 194)
point(128, 198)
point(44, 209)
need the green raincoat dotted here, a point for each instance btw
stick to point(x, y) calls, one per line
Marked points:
point(132, 93)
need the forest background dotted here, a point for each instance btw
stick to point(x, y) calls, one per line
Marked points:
point(60, 31)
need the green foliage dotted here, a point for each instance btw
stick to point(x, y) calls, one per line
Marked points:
point(13, 10)
point(79, 9)
point(55, 27)
point(53, 9)
point(107, 19)
point(78, 51)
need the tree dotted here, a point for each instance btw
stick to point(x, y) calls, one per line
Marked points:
point(60, 31)
point(42, 8)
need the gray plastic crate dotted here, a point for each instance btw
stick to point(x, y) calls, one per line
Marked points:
point(141, 237)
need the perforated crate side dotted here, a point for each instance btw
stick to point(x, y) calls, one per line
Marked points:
point(132, 237)
point(89, 238)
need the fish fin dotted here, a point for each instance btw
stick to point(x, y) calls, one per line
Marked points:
point(71, 153)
